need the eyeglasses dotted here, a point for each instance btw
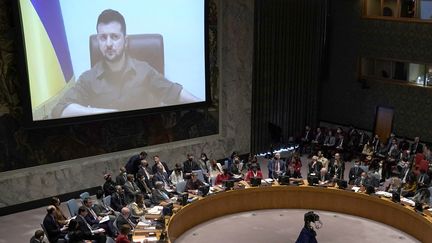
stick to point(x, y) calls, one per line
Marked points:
point(112, 36)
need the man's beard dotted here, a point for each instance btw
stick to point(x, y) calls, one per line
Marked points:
point(116, 58)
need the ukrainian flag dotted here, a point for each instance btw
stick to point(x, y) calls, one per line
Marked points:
point(48, 59)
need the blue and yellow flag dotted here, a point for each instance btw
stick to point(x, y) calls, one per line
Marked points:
point(48, 59)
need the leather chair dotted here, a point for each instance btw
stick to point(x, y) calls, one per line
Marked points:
point(144, 47)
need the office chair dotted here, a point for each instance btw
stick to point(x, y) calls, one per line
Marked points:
point(72, 206)
point(200, 175)
point(144, 47)
point(84, 195)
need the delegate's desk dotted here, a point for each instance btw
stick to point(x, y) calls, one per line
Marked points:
point(301, 197)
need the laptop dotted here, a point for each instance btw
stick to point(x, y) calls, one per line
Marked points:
point(204, 190)
point(228, 184)
point(284, 180)
point(255, 181)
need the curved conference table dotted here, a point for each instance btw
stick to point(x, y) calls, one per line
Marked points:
point(378, 209)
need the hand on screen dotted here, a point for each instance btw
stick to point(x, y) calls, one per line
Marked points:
point(79, 110)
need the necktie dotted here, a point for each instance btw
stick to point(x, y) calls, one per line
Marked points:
point(88, 226)
point(92, 213)
point(164, 195)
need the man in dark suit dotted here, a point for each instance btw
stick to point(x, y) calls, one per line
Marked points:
point(160, 196)
point(130, 188)
point(122, 177)
point(276, 166)
point(94, 220)
point(118, 200)
point(109, 185)
point(416, 146)
point(53, 229)
point(98, 236)
point(157, 161)
point(190, 165)
point(134, 162)
point(355, 172)
point(124, 218)
point(146, 172)
point(38, 237)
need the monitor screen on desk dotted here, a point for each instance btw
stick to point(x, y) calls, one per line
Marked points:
point(255, 181)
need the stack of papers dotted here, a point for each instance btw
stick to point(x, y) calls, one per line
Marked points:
point(408, 201)
point(383, 193)
point(155, 210)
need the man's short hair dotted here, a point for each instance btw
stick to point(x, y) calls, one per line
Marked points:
point(50, 209)
point(108, 15)
point(38, 234)
point(82, 209)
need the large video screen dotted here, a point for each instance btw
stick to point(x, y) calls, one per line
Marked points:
point(105, 56)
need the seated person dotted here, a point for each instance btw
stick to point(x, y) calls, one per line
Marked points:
point(100, 208)
point(124, 219)
point(177, 174)
point(324, 161)
point(214, 168)
point(118, 200)
point(143, 186)
point(86, 229)
point(355, 172)
point(253, 173)
point(315, 166)
point(394, 183)
point(226, 175)
point(109, 185)
point(160, 196)
point(94, 220)
point(161, 175)
point(324, 177)
point(365, 180)
point(59, 216)
point(54, 230)
point(237, 167)
point(130, 188)
point(124, 232)
point(37, 237)
point(75, 234)
point(193, 184)
point(138, 208)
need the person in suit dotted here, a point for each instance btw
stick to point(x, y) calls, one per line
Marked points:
point(101, 209)
point(146, 172)
point(416, 147)
point(118, 200)
point(37, 237)
point(190, 165)
point(131, 189)
point(308, 234)
point(305, 139)
point(237, 167)
point(122, 177)
point(423, 179)
point(94, 220)
point(75, 235)
point(86, 228)
point(124, 219)
point(314, 165)
point(53, 229)
point(160, 196)
point(134, 162)
point(276, 166)
point(109, 185)
point(161, 175)
point(138, 208)
point(337, 167)
point(355, 172)
point(157, 162)
point(142, 185)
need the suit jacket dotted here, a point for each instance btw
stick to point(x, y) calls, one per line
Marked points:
point(133, 164)
point(121, 179)
point(131, 189)
point(34, 240)
point(121, 220)
point(109, 187)
point(354, 173)
point(52, 228)
point(158, 197)
point(83, 225)
point(154, 168)
point(236, 169)
point(118, 201)
point(271, 167)
point(148, 180)
point(414, 149)
point(189, 166)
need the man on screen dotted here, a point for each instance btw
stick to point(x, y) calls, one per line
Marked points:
point(118, 82)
